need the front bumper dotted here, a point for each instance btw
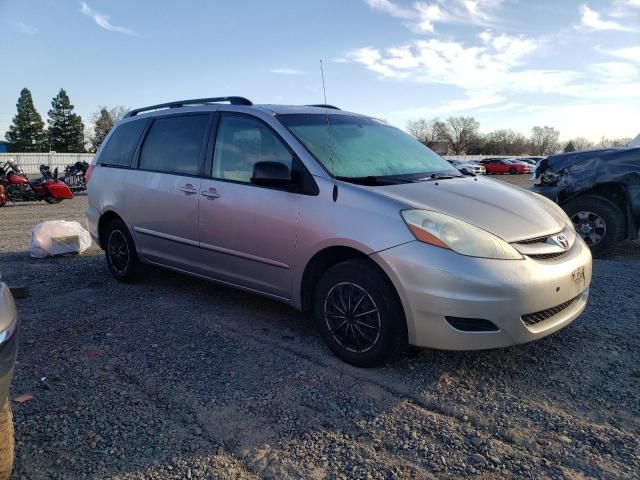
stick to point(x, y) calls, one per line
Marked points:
point(434, 283)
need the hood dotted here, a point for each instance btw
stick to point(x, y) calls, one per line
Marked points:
point(509, 212)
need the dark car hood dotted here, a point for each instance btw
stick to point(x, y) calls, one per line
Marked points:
point(563, 160)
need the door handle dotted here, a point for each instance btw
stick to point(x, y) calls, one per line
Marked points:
point(210, 193)
point(188, 188)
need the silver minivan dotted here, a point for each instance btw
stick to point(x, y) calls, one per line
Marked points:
point(381, 241)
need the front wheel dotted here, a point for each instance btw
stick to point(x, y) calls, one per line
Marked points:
point(598, 221)
point(6, 441)
point(513, 171)
point(120, 252)
point(358, 314)
point(52, 201)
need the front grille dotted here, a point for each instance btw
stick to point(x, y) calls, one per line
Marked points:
point(533, 240)
point(537, 317)
point(548, 256)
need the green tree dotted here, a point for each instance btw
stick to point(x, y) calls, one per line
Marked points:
point(103, 122)
point(570, 147)
point(26, 133)
point(66, 130)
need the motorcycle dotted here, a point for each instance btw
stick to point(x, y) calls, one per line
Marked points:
point(74, 176)
point(16, 187)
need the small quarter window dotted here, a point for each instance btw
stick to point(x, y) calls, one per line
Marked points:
point(119, 149)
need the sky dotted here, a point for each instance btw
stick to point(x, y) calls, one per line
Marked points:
point(573, 65)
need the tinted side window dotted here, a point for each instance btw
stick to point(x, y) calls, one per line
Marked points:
point(122, 144)
point(240, 143)
point(174, 144)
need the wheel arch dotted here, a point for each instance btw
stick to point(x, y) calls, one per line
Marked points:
point(325, 259)
point(614, 192)
point(105, 219)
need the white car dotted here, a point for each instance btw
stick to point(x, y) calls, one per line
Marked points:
point(469, 167)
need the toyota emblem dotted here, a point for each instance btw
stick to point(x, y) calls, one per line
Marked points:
point(562, 241)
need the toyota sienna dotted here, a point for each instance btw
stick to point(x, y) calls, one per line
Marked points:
point(381, 241)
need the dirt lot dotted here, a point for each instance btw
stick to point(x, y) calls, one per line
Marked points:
point(178, 378)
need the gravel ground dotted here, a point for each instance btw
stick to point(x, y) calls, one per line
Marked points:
point(174, 377)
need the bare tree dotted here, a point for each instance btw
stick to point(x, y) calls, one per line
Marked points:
point(581, 143)
point(613, 142)
point(504, 142)
point(544, 140)
point(427, 132)
point(461, 133)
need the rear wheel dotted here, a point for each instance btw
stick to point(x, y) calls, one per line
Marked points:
point(52, 201)
point(120, 252)
point(598, 221)
point(6, 441)
point(513, 170)
point(358, 314)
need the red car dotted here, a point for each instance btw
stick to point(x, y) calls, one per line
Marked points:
point(503, 165)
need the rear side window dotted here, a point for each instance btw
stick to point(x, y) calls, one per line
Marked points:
point(174, 144)
point(122, 144)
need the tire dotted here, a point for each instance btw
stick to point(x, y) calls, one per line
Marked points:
point(52, 201)
point(357, 287)
point(6, 441)
point(598, 221)
point(513, 171)
point(120, 252)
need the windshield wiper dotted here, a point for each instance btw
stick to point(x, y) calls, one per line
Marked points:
point(371, 180)
point(438, 176)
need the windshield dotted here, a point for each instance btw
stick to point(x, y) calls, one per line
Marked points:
point(363, 147)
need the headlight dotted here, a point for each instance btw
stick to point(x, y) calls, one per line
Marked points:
point(461, 237)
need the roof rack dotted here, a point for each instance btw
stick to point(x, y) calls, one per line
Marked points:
point(322, 105)
point(195, 101)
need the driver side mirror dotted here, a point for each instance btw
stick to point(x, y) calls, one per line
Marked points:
point(271, 174)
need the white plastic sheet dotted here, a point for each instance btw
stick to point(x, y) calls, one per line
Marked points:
point(58, 237)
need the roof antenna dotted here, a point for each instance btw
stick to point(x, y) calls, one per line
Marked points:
point(326, 109)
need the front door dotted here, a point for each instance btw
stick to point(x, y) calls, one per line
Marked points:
point(247, 232)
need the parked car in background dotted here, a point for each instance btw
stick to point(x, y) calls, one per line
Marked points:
point(533, 161)
point(8, 348)
point(374, 236)
point(599, 190)
point(503, 165)
point(468, 167)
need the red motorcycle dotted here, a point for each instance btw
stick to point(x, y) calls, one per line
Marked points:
point(16, 187)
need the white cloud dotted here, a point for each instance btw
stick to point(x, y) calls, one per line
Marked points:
point(493, 70)
point(627, 53)
point(26, 29)
point(287, 71)
point(453, 106)
point(485, 68)
point(102, 20)
point(422, 16)
point(616, 71)
point(593, 20)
